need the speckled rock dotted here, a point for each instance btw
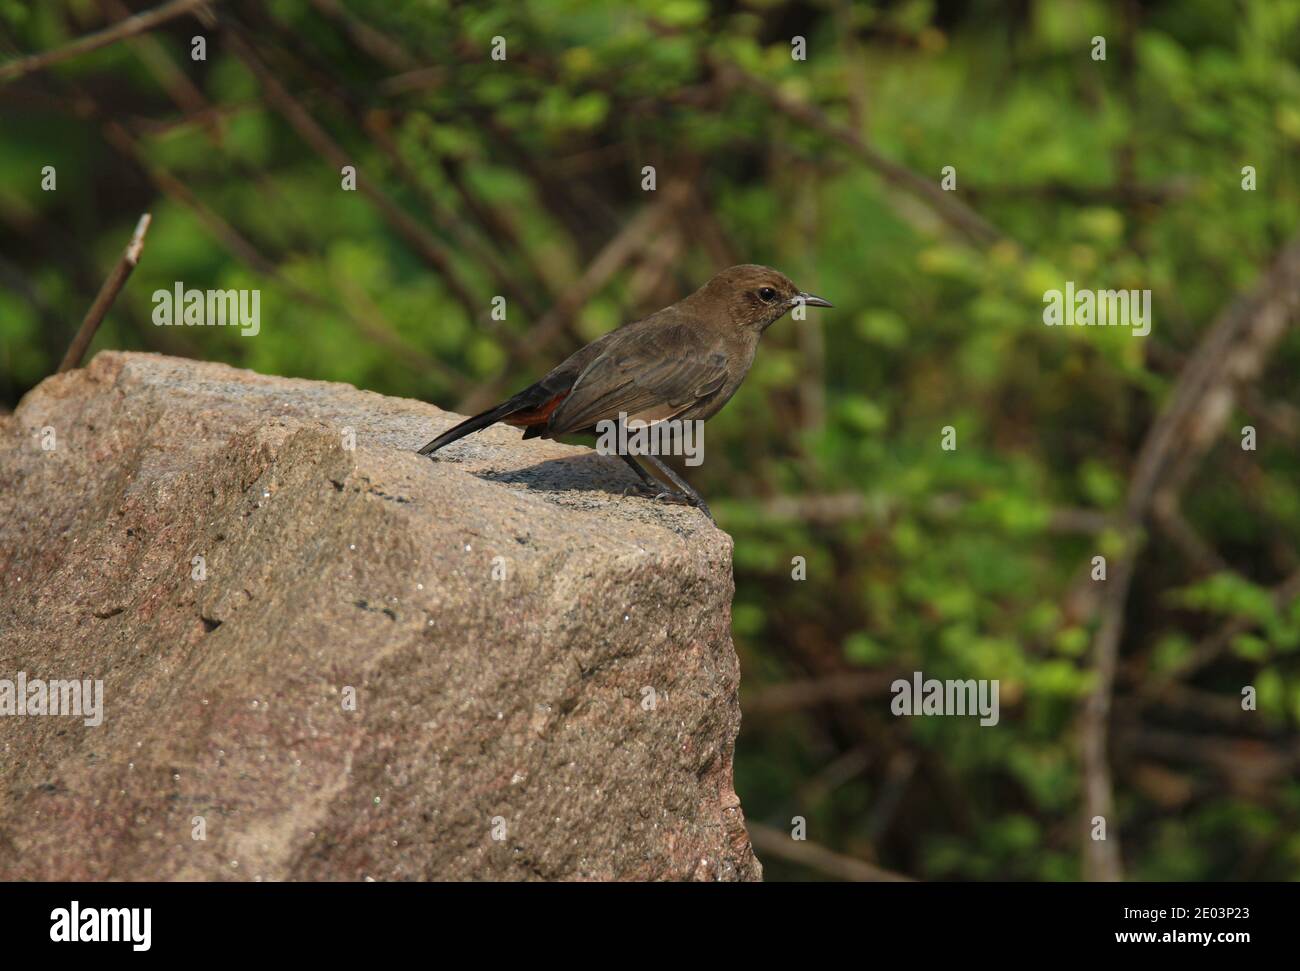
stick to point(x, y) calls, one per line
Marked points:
point(334, 659)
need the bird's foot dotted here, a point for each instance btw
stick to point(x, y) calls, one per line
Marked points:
point(674, 498)
point(685, 499)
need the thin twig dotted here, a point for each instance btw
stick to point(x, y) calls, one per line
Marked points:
point(950, 209)
point(1167, 512)
point(1214, 645)
point(378, 45)
point(615, 254)
point(107, 294)
point(245, 251)
point(178, 85)
point(837, 507)
point(129, 27)
point(367, 317)
point(634, 237)
point(300, 119)
point(792, 695)
point(773, 842)
point(172, 187)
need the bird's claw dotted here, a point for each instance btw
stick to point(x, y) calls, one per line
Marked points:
point(685, 499)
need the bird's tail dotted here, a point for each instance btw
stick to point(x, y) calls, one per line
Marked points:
point(471, 425)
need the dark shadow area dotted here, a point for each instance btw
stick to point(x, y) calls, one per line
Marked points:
point(581, 473)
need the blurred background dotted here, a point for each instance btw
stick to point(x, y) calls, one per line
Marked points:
point(524, 178)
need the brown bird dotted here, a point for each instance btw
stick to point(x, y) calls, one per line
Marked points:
point(683, 362)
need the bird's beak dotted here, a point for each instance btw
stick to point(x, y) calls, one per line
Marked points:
point(812, 300)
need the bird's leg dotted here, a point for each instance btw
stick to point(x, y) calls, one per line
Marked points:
point(685, 491)
point(642, 474)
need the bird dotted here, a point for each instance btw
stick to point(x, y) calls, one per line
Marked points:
point(683, 363)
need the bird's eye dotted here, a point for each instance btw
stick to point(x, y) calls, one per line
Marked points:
point(767, 294)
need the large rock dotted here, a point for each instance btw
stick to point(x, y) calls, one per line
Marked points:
point(545, 685)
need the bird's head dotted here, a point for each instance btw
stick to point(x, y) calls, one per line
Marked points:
point(756, 297)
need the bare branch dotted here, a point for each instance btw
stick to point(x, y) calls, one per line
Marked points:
point(1101, 857)
point(174, 188)
point(183, 91)
point(1167, 512)
point(1233, 352)
point(107, 294)
point(129, 27)
point(773, 842)
point(792, 695)
point(837, 507)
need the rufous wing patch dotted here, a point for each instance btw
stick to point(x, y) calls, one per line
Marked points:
point(535, 416)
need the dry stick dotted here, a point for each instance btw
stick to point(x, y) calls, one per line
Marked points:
point(1281, 417)
point(1101, 857)
point(129, 27)
point(842, 687)
point(210, 118)
point(615, 254)
point(107, 294)
point(421, 79)
point(228, 111)
point(1129, 194)
point(1244, 763)
point(837, 507)
point(1232, 352)
point(1183, 700)
point(845, 766)
point(649, 282)
point(774, 842)
point(898, 776)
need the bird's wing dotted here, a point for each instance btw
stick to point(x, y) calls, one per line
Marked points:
point(643, 381)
